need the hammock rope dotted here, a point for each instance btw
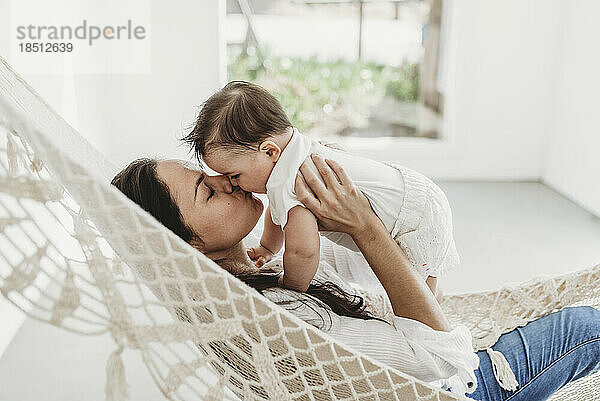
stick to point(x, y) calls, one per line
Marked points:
point(76, 253)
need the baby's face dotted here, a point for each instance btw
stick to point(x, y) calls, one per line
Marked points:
point(248, 170)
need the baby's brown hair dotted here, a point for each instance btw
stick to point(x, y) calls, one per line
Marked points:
point(239, 116)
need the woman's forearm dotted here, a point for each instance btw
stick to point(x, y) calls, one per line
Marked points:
point(408, 293)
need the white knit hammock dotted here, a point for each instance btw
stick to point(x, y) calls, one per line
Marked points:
point(78, 254)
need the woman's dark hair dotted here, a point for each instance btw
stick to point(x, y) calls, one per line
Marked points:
point(322, 293)
point(239, 116)
point(139, 182)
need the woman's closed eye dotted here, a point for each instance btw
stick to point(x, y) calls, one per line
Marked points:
point(198, 182)
point(234, 176)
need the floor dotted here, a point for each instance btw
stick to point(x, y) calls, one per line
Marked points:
point(505, 232)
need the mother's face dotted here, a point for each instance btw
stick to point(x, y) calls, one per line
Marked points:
point(221, 215)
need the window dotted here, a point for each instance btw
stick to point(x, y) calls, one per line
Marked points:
point(343, 68)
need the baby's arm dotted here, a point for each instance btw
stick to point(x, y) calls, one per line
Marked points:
point(270, 242)
point(272, 237)
point(301, 255)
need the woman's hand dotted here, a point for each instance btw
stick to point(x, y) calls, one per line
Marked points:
point(337, 203)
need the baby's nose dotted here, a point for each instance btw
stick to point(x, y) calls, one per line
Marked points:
point(228, 185)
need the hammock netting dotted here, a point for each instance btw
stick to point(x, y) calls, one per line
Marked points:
point(76, 253)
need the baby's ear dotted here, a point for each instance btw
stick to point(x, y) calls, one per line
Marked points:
point(271, 149)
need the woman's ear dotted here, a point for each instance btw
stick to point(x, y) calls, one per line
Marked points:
point(271, 150)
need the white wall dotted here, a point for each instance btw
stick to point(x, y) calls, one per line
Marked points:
point(128, 115)
point(572, 164)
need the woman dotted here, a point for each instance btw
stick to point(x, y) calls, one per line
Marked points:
point(545, 354)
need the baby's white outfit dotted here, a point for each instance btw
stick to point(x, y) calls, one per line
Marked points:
point(414, 210)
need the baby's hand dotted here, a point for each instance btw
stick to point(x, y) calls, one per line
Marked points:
point(259, 255)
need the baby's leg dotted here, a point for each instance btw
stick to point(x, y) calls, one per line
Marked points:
point(418, 257)
point(434, 286)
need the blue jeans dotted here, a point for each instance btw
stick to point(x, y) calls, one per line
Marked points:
point(544, 355)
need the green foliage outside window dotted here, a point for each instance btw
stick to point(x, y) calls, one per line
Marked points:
point(310, 89)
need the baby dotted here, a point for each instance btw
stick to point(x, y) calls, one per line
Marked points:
point(243, 132)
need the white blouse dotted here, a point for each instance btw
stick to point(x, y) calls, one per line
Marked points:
point(444, 359)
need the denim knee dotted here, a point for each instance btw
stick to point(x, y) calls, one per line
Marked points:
point(584, 319)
